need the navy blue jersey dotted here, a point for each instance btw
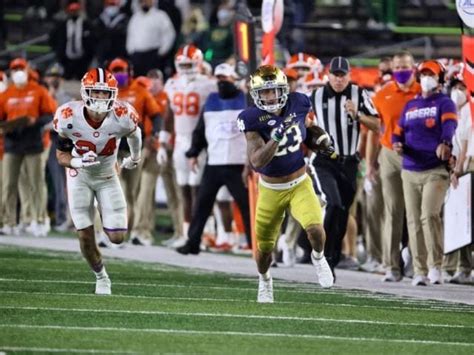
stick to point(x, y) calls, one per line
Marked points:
point(289, 156)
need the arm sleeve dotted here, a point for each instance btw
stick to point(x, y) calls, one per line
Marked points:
point(199, 141)
point(366, 104)
point(134, 141)
point(449, 120)
point(399, 133)
point(65, 144)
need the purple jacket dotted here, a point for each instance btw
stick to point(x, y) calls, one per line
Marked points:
point(423, 125)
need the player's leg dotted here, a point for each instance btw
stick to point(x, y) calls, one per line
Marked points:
point(270, 209)
point(113, 209)
point(305, 208)
point(11, 170)
point(81, 206)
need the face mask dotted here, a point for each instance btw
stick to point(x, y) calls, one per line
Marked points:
point(122, 78)
point(459, 97)
point(145, 8)
point(226, 89)
point(111, 10)
point(402, 76)
point(54, 83)
point(19, 77)
point(224, 16)
point(428, 83)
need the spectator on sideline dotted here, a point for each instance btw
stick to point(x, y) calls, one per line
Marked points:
point(53, 78)
point(73, 41)
point(33, 107)
point(150, 37)
point(384, 162)
point(423, 137)
point(460, 261)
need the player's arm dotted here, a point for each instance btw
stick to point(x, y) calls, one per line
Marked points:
point(134, 140)
point(65, 158)
point(259, 152)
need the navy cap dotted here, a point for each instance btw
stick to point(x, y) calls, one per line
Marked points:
point(339, 64)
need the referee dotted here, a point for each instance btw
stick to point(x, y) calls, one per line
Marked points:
point(340, 107)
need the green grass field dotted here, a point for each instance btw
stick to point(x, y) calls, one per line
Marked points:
point(47, 305)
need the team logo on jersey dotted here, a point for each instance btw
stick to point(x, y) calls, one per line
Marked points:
point(264, 118)
point(66, 113)
point(271, 122)
point(96, 134)
point(120, 111)
point(77, 134)
point(430, 122)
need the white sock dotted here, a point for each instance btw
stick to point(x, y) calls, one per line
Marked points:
point(318, 254)
point(266, 276)
point(101, 274)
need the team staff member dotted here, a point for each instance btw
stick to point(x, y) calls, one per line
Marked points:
point(144, 103)
point(274, 130)
point(218, 132)
point(423, 137)
point(383, 161)
point(30, 102)
point(341, 108)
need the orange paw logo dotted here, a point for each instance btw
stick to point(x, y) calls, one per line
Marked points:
point(66, 113)
point(120, 111)
point(430, 122)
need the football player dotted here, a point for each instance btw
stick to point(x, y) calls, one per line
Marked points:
point(274, 130)
point(89, 135)
point(187, 92)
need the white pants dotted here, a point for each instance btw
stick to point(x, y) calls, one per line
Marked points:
point(82, 188)
point(184, 174)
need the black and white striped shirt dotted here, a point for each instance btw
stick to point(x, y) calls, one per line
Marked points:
point(333, 118)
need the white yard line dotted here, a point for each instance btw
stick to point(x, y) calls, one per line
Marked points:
point(63, 350)
point(244, 316)
point(431, 304)
point(232, 333)
point(201, 299)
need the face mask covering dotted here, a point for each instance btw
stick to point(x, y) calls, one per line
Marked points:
point(402, 76)
point(145, 8)
point(55, 83)
point(112, 10)
point(19, 77)
point(224, 16)
point(122, 78)
point(459, 97)
point(226, 89)
point(156, 86)
point(428, 83)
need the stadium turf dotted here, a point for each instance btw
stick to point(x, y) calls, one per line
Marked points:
point(47, 305)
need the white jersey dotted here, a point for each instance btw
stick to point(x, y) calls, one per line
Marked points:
point(187, 97)
point(69, 122)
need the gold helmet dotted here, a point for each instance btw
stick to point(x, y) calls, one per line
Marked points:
point(269, 77)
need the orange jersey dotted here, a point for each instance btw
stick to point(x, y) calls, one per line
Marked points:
point(32, 100)
point(389, 102)
point(139, 97)
point(162, 101)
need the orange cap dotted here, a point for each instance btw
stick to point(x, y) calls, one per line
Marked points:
point(431, 65)
point(18, 63)
point(118, 64)
point(291, 73)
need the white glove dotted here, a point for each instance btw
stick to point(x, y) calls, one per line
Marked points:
point(161, 156)
point(129, 163)
point(86, 160)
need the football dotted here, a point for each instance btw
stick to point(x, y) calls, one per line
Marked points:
point(317, 139)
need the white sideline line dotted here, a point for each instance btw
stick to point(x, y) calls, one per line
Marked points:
point(200, 299)
point(245, 316)
point(251, 334)
point(59, 350)
point(318, 291)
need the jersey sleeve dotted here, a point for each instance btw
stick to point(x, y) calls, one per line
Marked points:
point(132, 119)
point(62, 117)
point(366, 105)
point(449, 119)
point(246, 121)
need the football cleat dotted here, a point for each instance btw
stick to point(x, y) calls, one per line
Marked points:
point(265, 290)
point(323, 271)
point(103, 286)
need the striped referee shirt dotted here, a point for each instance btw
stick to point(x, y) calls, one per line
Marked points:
point(328, 106)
